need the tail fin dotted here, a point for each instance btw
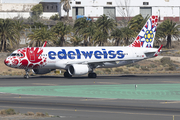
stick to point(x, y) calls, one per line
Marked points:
point(146, 36)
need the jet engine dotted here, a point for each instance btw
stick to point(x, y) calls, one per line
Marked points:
point(78, 69)
point(42, 71)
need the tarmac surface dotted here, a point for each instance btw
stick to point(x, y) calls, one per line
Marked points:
point(125, 97)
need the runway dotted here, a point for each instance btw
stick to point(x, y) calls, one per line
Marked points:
point(88, 108)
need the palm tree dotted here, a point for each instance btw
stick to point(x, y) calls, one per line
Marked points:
point(89, 31)
point(137, 22)
point(8, 34)
point(75, 40)
point(168, 29)
point(84, 28)
point(117, 34)
point(98, 37)
point(38, 25)
point(127, 34)
point(39, 36)
point(66, 7)
point(20, 27)
point(61, 31)
point(105, 25)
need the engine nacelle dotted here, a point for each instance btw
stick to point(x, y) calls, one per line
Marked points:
point(78, 69)
point(41, 71)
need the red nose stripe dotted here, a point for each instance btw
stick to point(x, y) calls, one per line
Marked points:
point(6, 62)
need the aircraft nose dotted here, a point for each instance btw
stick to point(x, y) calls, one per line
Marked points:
point(6, 62)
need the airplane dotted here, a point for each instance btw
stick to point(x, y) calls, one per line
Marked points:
point(82, 60)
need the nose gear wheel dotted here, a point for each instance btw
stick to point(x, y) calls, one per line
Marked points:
point(27, 74)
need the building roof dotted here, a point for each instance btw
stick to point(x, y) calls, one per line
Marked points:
point(20, 1)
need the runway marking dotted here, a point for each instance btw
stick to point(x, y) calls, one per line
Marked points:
point(92, 111)
point(29, 97)
point(45, 84)
point(109, 83)
point(99, 99)
point(172, 102)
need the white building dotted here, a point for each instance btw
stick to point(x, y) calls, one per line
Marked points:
point(125, 8)
point(95, 8)
point(21, 8)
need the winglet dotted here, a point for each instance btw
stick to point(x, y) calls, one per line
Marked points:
point(158, 51)
point(44, 45)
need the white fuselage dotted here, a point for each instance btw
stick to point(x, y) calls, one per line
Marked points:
point(60, 57)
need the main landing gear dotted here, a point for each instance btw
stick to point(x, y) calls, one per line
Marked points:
point(67, 75)
point(27, 74)
point(92, 75)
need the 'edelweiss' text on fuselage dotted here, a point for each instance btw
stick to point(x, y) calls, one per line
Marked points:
point(87, 54)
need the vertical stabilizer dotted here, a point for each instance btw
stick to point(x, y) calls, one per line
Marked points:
point(146, 36)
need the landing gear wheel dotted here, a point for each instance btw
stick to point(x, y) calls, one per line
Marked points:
point(26, 76)
point(92, 75)
point(67, 75)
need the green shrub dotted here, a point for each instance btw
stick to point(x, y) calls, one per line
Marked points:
point(3, 112)
point(98, 72)
point(172, 67)
point(136, 66)
point(46, 114)
point(108, 70)
point(30, 113)
point(10, 111)
point(133, 65)
point(118, 70)
point(144, 68)
point(130, 65)
point(153, 66)
point(55, 17)
point(166, 60)
point(40, 114)
point(126, 72)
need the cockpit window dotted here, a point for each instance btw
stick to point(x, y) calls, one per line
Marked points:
point(13, 54)
point(17, 54)
point(21, 54)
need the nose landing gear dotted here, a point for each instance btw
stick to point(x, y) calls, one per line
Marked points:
point(27, 74)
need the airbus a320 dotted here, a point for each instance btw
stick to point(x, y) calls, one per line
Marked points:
point(83, 60)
